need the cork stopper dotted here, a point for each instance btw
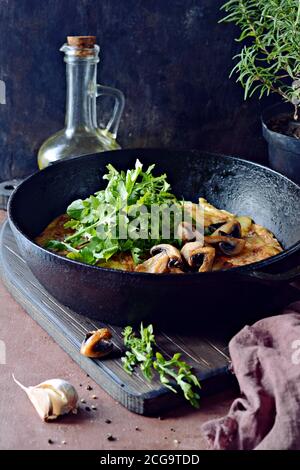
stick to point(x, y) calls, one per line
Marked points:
point(82, 42)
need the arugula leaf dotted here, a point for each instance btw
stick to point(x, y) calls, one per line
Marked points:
point(59, 246)
point(171, 372)
point(136, 254)
point(76, 209)
point(181, 372)
point(104, 223)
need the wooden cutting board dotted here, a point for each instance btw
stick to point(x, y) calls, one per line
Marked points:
point(207, 355)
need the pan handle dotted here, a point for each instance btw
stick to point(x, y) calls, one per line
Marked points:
point(288, 276)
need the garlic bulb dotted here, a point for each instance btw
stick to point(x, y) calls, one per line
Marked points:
point(52, 398)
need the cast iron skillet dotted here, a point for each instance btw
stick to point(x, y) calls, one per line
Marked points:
point(123, 297)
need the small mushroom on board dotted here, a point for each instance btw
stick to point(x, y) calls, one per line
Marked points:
point(97, 344)
point(229, 246)
point(199, 257)
point(52, 398)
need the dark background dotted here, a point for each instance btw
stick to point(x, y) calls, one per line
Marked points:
point(171, 58)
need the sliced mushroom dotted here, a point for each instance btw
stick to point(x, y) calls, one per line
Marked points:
point(176, 271)
point(210, 229)
point(232, 228)
point(187, 233)
point(97, 343)
point(198, 256)
point(212, 215)
point(171, 251)
point(245, 223)
point(230, 246)
point(157, 264)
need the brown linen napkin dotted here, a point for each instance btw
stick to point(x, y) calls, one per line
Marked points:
point(266, 362)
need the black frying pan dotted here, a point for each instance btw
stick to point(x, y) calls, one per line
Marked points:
point(123, 297)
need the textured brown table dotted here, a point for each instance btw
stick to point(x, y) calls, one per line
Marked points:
point(33, 357)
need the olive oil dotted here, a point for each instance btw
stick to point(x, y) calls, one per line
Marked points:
point(82, 134)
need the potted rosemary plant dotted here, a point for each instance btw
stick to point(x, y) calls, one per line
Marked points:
point(269, 62)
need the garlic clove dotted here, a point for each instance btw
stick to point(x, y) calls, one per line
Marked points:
point(41, 401)
point(52, 398)
point(64, 397)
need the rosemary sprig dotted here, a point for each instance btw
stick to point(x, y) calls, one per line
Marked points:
point(269, 60)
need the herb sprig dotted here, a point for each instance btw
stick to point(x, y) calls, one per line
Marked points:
point(269, 59)
point(171, 372)
point(97, 221)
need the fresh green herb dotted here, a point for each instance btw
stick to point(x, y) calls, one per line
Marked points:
point(104, 223)
point(269, 61)
point(171, 372)
point(140, 350)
